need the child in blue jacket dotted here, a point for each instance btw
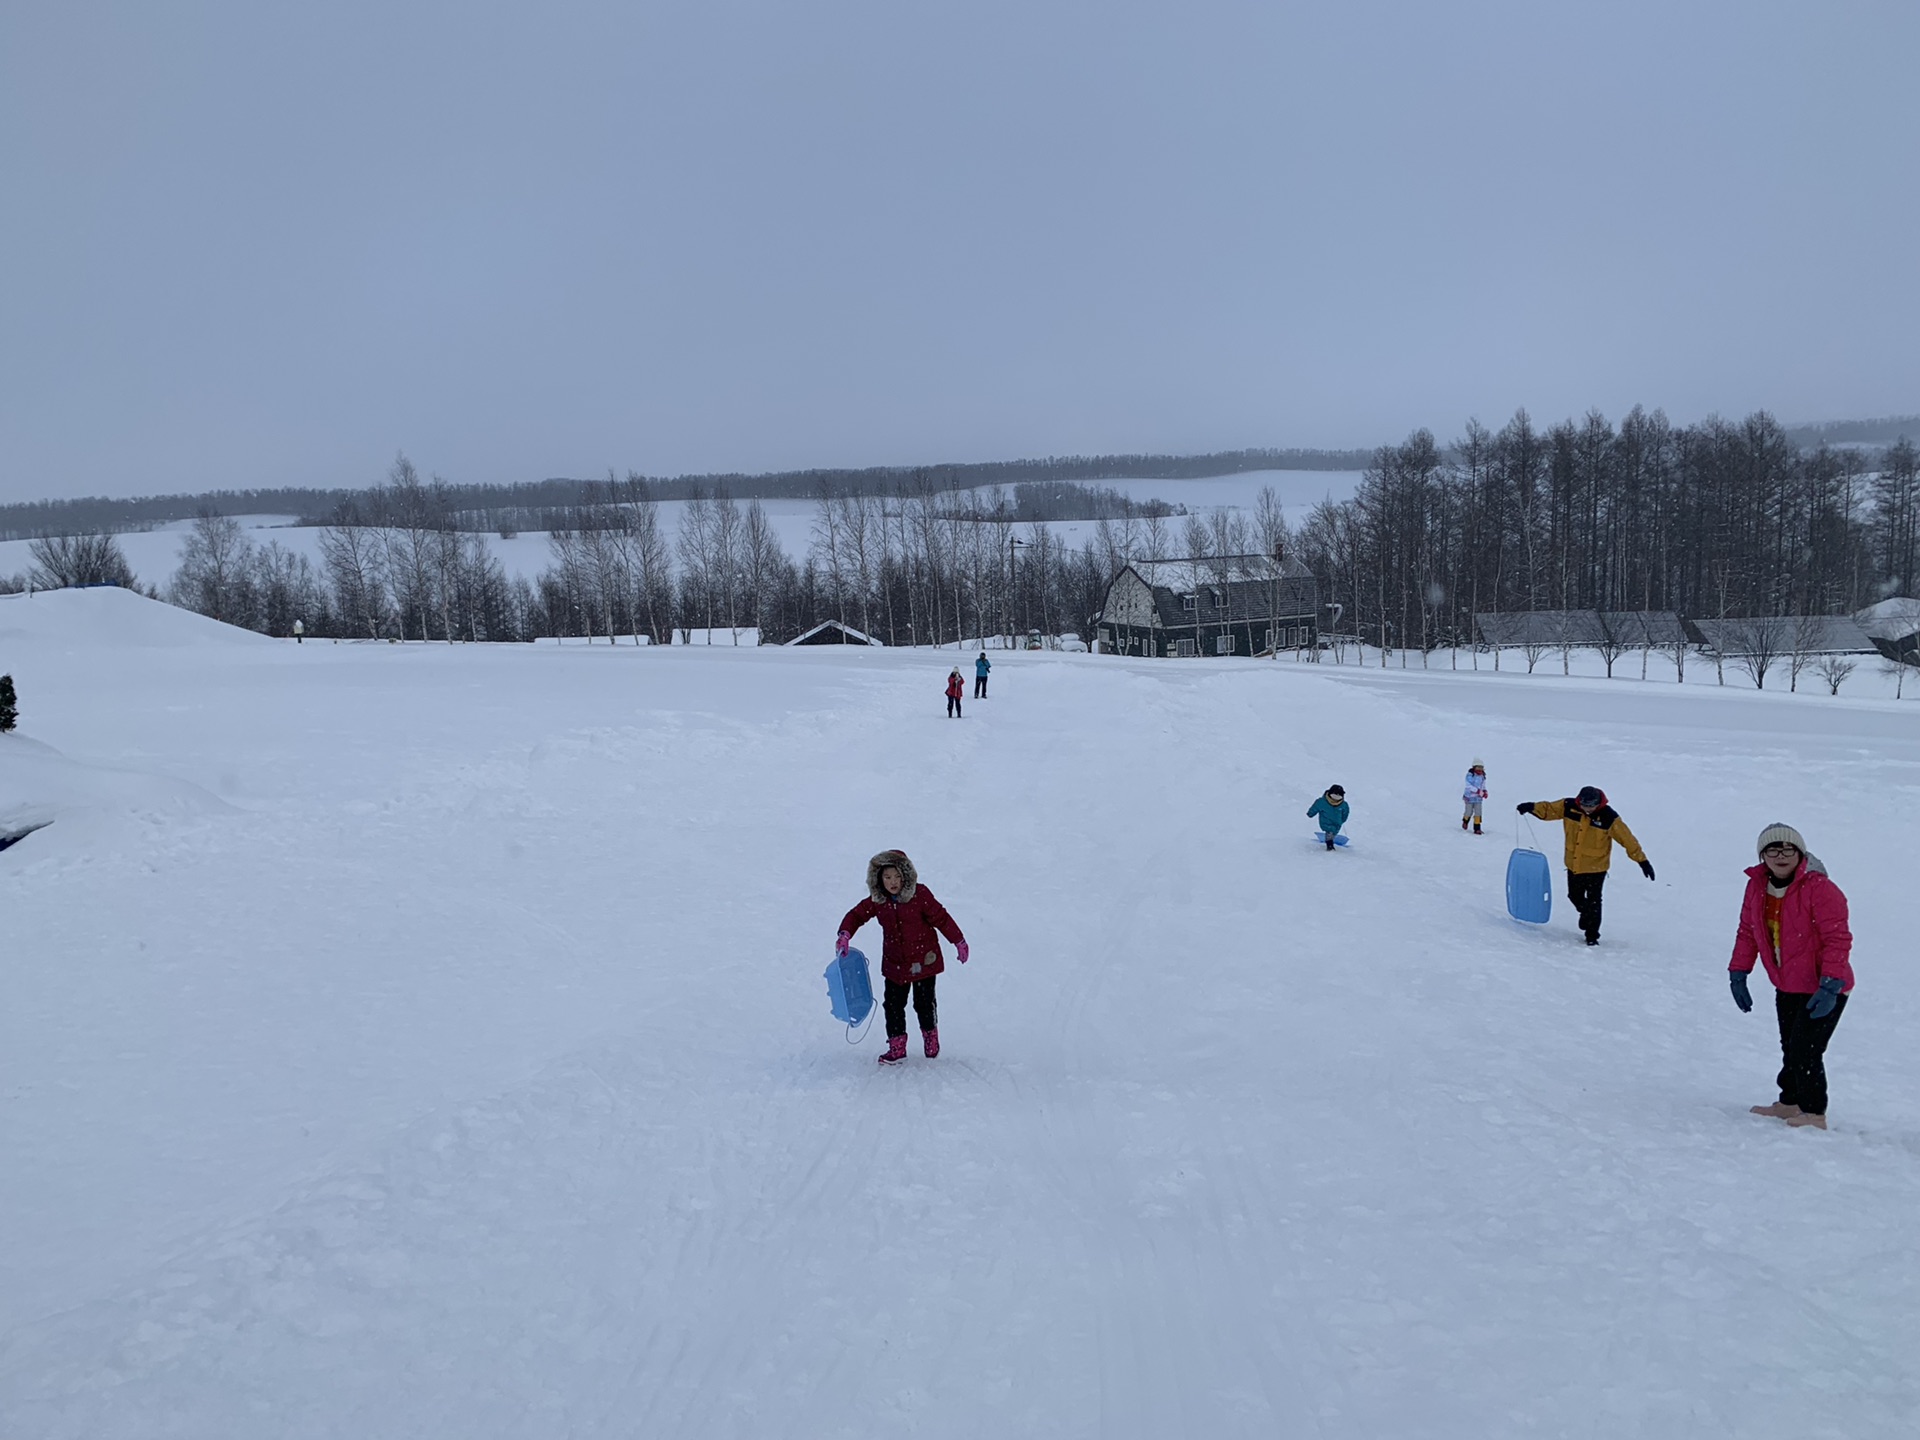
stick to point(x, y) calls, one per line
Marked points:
point(1331, 810)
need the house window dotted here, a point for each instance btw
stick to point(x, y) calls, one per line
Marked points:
point(1223, 645)
point(1106, 636)
point(1189, 602)
point(1185, 647)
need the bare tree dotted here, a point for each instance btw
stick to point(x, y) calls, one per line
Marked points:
point(1898, 669)
point(698, 560)
point(213, 576)
point(652, 560)
point(355, 565)
point(1804, 637)
point(829, 546)
point(89, 558)
point(408, 536)
point(760, 562)
point(1613, 639)
point(1834, 669)
point(1754, 646)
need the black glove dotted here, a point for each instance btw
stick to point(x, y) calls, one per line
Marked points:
point(1742, 996)
point(1525, 807)
point(1646, 868)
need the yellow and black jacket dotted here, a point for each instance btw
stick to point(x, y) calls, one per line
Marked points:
point(1590, 838)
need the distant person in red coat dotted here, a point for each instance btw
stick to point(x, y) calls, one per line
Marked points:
point(1794, 920)
point(911, 923)
point(956, 687)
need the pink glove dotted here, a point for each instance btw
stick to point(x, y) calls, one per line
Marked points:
point(840, 944)
point(961, 951)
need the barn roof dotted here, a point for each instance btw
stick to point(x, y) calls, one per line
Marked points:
point(849, 635)
point(1786, 634)
point(1581, 627)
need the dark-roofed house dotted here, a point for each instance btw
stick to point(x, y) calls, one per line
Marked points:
point(1215, 605)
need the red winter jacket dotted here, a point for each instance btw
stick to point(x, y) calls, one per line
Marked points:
point(1814, 939)
point(956, 687)
point(910, 948)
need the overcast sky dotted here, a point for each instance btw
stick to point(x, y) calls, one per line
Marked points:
point(264, 244)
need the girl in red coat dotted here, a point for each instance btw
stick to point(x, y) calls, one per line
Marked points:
point(956, 687)
point(1795, 920)
point(910, 956)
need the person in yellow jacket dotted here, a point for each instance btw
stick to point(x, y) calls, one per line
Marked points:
point(1593, 829)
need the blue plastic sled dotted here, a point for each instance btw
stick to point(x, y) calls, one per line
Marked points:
point(1529, 887)
point(1319, 837)
point(850, 988)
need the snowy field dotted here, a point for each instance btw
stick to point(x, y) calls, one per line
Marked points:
point(407, 1041)
point(155, 554)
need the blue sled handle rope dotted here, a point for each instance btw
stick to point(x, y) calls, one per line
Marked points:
point(850, 992)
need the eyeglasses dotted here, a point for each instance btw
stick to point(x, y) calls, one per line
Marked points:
point(1780, 848)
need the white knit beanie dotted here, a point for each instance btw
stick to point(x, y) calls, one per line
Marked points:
point(1777, 834)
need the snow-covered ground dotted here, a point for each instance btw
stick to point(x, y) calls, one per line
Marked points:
point(408, 1041)
point(155, 554)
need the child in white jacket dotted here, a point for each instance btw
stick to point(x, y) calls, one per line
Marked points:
point(1474, 794)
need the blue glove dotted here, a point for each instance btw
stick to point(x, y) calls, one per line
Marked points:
point(1742, 996)
point(1820, 1004)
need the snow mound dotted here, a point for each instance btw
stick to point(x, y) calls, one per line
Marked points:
point(108, 615)
point(39, 786)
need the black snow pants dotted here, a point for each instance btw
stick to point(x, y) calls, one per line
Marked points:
point(1583, 890)
point(924, 1008)
point(1803, 1041)
point(953, 707)
point(979, 687)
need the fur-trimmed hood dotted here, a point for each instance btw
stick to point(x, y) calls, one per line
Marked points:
point(909, 877)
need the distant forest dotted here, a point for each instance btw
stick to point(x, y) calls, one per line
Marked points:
point(532, 505)
point(1716, 520)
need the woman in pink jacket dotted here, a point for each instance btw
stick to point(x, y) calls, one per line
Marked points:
point(1795, 920)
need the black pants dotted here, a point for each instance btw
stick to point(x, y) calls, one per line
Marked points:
point(953, 706)
point(1584, 892)
point(1803, 1040)
point(924, 1008)
point(979, 687)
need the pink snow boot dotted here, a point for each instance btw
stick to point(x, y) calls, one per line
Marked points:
point(896, 1050)
point(930, 1041)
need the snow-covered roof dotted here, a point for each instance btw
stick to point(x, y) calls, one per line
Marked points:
point(853, 636)
point(1786, 635)
point(1892, 619)
point(1581, 627)
point(1180, 576)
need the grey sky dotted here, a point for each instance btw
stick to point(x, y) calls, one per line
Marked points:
point(254, 244)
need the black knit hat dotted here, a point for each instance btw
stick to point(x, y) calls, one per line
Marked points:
point(1336, 790)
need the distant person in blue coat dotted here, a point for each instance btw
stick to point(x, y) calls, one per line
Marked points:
point(980, 669)
point(1331, 811)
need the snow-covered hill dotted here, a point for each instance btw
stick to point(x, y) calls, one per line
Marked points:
point(449, 1055)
